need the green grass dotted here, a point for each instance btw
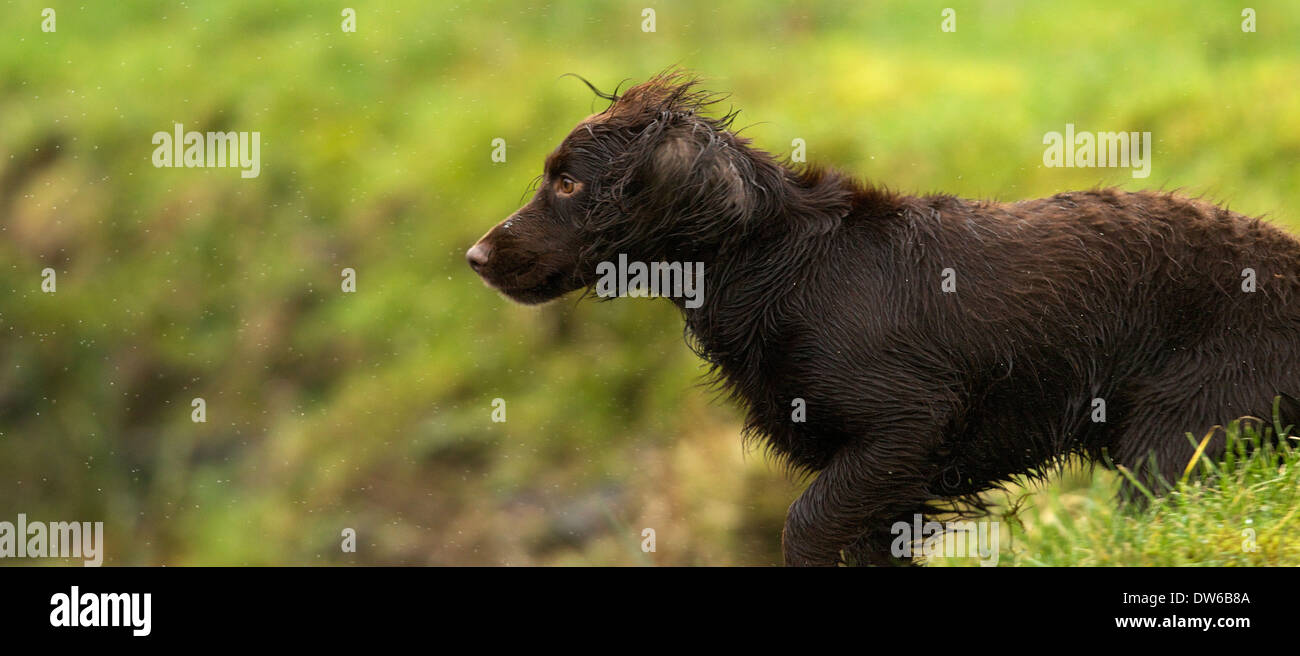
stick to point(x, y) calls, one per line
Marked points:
point(1242, 511)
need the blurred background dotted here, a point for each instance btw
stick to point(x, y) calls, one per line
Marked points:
point(373, 410)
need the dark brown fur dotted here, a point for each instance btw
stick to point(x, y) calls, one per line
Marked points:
point(828, 290)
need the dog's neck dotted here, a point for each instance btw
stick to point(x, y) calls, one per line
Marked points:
point(748, 283)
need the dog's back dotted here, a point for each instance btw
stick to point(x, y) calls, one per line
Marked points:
point(1084, 321)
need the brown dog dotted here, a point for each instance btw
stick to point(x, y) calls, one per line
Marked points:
point(936, 346)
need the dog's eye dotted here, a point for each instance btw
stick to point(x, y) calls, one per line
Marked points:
point(567, 186)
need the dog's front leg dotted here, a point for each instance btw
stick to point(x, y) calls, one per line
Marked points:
point(853, 499)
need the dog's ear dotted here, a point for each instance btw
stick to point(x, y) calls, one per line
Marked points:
point(694, 169)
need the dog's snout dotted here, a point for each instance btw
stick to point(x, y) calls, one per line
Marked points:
point(478, 255)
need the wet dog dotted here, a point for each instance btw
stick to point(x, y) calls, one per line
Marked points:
point(914, 351)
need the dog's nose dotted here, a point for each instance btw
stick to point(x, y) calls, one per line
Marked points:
point(477, 255)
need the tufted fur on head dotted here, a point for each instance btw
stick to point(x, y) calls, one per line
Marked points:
point(679, 181)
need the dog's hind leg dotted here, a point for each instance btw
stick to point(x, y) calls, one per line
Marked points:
point(1154, 450)
point(1153, 443)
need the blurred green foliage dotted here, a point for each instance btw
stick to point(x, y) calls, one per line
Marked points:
point(372, 410)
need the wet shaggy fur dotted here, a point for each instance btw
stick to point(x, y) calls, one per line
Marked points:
point(826, 289)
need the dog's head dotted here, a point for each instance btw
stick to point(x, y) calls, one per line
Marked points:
point(651, 177)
